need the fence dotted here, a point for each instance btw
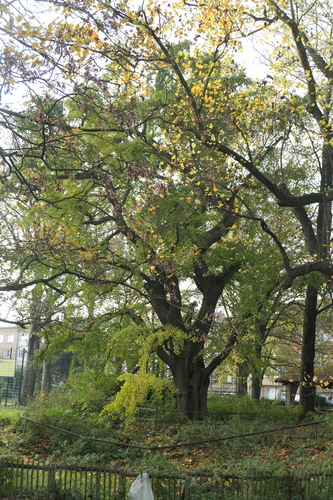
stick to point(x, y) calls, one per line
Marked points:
point(9, 390)
point(59, 482)
point(64, 482)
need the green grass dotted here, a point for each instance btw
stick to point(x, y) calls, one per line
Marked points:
point(9, 415)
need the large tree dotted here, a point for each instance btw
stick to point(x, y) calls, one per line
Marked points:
point(111, 214)
point(180, 104)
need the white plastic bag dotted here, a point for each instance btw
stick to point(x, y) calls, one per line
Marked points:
point(141, 489)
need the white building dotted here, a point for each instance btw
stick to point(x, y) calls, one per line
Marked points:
point(13, 345)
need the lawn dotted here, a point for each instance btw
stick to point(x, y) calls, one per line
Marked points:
point(9, 415)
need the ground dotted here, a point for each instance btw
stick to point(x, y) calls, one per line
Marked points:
point(198, 445)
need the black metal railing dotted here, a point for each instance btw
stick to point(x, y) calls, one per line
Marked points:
point(54, 481)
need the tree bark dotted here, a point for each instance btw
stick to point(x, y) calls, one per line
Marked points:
point(29, 379)
point(46, 377)
point(257, 370)
point(256, 386)
point(241, 380)
point(307, 389)
point(192, 383)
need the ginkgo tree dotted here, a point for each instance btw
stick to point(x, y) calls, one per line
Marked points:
point(172, 117)
point(128, 222)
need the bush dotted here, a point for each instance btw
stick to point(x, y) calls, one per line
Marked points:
point(56, 409)
point(61, 411)
point(267, 410)
point(137, 390)
point(232, 404)
point(57, 494)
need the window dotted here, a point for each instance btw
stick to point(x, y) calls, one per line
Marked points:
point(7, 353)
point(2, 338)
point(10, 338)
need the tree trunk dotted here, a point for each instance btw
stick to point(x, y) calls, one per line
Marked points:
point(257, 372)
point(256, 386)
point(29, 379)
point(307, 389)
point(46, 377)
point(192, 383)
point(241, 380)
point(191, 396)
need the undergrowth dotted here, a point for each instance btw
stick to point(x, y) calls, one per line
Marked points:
point(203, 445)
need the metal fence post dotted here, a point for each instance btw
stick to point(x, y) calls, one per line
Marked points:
point(51, 484)
point(122, 486)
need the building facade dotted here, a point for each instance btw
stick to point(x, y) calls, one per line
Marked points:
point(13, 343)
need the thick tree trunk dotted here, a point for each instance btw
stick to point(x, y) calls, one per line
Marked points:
point(29, 379)
point(243, 372)
point(46, 378)
point(257, 372)
point(307, 389)
point(191, 395)
point(192, 382)
point(191, 376)
point(256, 386)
